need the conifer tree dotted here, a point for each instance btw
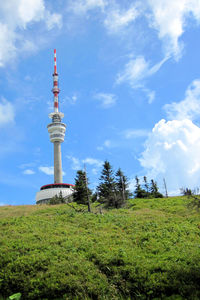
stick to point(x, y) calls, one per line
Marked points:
point(154, 190)
point(107, 186)
point(146, 185)
point(81, 191)
point(122, 191)
point(139, 192)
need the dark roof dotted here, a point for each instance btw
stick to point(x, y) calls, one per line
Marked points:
point(56, 185)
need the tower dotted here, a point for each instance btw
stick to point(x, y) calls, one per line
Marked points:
point(56, 131)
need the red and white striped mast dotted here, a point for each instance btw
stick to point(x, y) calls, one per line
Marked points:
point(55, 84)
point(56, 129)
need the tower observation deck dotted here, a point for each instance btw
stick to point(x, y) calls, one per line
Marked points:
point(56, 131)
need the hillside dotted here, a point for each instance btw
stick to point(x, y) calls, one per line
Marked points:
point(150, 250)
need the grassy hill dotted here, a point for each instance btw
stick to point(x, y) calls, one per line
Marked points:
point(150, 250)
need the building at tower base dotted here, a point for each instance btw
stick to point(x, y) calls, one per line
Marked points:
point(48, 191)
point(56, 131)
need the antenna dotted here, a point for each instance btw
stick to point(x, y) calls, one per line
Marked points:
point(55, 89)
point(55, 66)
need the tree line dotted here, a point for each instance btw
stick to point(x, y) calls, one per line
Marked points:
point(147, 190)
point(113, 188)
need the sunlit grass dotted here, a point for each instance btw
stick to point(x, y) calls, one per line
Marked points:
point(146, 251)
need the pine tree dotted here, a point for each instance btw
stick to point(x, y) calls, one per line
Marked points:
point(139, 192)
point(81, 191)
point(154, 190)
point(146, 185)
point(186, 192)
point(107, 186)
point(122, 191)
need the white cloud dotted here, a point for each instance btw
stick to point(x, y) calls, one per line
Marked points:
point(28, 172)
point(92, 161)
point(7, 44)
point(95, 171)
point(117, 19)
point(150, 95)
point(7, 113)
point(47, 170)
point(15, 31)
point(28, 46)
point(29, 11)
point(107, 100)
point(135, 133)
point(74, 98)
point(169, 18)
point(53, 20)
point(83, 6)
point(107, 143)
point(96, 163)
point(27, 165)
point(71, 99)
point(189, 108)
point(99, 148)
point(172, 151)
point(76, 165)
point(136, 70)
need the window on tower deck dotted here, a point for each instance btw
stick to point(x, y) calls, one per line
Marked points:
point(56, 118)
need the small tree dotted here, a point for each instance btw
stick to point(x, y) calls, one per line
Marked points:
point(186, 192)
point(154, 187)
point(107, 186)
point(146, 185)
point(154, 190)
point(122, 191)
point(57, 199)
point(139, 192)
point(81, 191)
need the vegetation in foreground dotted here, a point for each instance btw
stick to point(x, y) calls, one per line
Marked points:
point(150, 250)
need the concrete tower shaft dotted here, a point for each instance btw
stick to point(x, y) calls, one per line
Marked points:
point(56, 129)
point(57, 163)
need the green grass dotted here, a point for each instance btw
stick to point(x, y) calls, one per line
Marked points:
point(150, 250)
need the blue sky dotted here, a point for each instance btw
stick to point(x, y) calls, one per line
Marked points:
point(129, 74)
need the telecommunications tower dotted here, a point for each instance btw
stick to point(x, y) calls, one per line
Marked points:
point(56, 131)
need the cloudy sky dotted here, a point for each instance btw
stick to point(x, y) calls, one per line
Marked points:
point(129, 74)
